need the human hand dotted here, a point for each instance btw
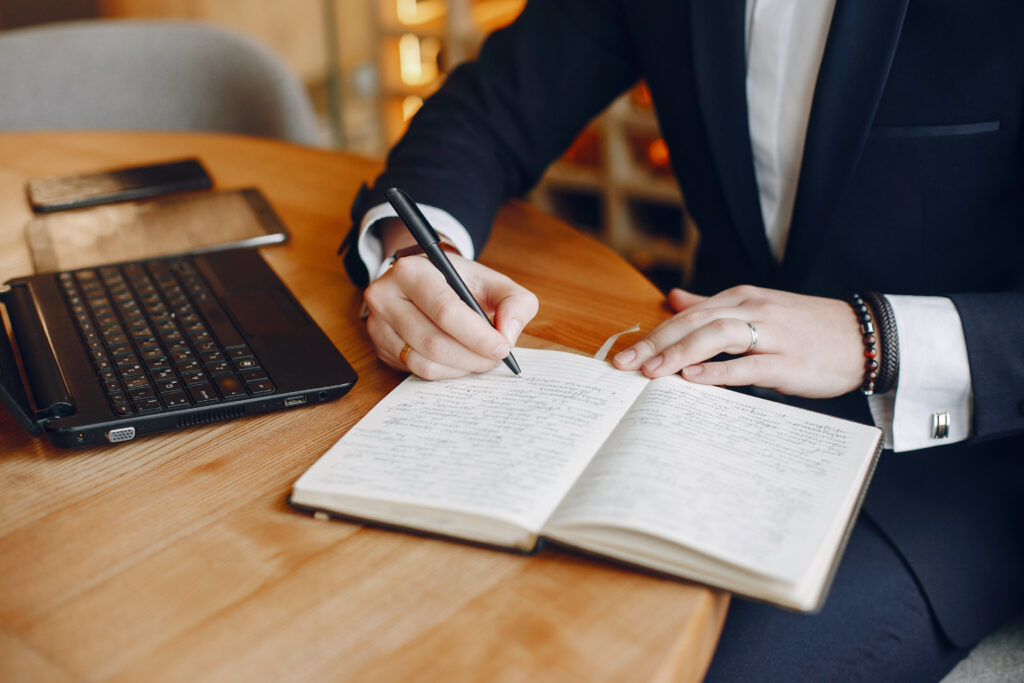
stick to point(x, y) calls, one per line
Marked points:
point(412, 304)
point(806, 346)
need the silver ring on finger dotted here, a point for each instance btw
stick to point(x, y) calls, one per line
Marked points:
point(753, 338)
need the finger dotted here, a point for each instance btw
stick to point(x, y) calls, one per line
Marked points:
point(389, 348)
point(760, 370)
point(680, 300)
point(427, 290)
point(723, 335)
point(671, 331)
point(727, 298)
point(409, 324)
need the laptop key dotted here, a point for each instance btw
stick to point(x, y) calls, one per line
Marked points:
point(136, 382)
point(187, 366)
point(168, 386)
point(260, 387)
point(202, 393)
point(211, 357)
point(239, 352)
point(218, 368)
point(253, 375)
point(246, 364)
point(122, 409)
point(182, 356)
point(119, 351)
point(130, 369)
point(229, 386)
point(147, 405)
point(175, 400)
point(141, 393)
point(126, 358)
point(197, 377)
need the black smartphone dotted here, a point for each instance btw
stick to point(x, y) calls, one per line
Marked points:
point(56, 193)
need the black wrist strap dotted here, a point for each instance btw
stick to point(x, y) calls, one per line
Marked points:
point(889, 363)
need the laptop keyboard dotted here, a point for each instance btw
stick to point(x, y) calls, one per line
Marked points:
point(158, 338)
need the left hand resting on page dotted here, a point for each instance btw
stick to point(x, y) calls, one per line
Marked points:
point(806, 346)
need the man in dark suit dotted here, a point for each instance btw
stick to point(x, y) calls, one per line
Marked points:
point(823, 147)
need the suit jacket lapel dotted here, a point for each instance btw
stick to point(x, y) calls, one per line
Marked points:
point(861, 43)
point(719, 57)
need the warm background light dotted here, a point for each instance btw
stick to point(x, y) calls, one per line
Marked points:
point(414, 12)
point(370, 64)
point(411, 105)
point(418, 59)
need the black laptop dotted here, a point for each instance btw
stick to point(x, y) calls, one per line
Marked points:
point(112, 353)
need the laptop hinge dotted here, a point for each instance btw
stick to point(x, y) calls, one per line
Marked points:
point(12, 386)
point(42, 374)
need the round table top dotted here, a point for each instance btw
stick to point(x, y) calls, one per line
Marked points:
point(177, 557)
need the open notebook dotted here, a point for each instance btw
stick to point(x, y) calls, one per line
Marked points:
point(698, 482)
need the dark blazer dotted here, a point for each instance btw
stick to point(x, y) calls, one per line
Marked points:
point(912, 183)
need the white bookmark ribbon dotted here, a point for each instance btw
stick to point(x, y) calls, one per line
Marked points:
point(610, 342)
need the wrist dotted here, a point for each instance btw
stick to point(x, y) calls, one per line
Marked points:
point(393, 235)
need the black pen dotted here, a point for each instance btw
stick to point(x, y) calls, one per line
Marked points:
point(427, 238)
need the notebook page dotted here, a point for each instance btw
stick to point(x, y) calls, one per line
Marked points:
point(493, 444)
point(759, 484)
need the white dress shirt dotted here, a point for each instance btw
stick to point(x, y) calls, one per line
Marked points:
point(785, 43)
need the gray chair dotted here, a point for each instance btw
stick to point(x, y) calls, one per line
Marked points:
point(999, 658)
point(153, 75)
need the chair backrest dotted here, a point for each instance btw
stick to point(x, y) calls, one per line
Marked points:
point(156, 75)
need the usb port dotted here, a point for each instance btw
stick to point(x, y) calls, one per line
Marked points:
point(292, 401)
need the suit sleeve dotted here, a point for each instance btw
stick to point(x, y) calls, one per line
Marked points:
point(993, 326)
point(496, 123)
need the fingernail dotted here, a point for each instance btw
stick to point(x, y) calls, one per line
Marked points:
point(514, 328)
point(653, 363)
point(625, 356)
point(692, 370)
point(501, 350)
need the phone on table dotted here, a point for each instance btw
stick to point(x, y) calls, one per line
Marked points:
point(56, 193)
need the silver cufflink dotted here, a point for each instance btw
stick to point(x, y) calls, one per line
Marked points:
point(940, 425)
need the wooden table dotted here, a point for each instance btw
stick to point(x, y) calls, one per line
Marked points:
point(177, 558)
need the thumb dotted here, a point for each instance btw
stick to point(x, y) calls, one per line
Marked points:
point(680, 299)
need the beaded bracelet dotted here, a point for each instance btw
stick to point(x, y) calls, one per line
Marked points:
point(885, 321)
point(867, 334)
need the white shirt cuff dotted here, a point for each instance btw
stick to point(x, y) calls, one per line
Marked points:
point(371, 251)
point(934, 376)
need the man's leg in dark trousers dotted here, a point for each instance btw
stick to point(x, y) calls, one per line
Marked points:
point(875, 626)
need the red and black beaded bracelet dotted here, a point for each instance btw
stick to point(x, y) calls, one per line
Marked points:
point(867, 334)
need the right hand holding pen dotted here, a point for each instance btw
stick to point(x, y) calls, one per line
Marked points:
point(412, 304)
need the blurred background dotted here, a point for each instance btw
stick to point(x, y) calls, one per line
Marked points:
point(369, 64)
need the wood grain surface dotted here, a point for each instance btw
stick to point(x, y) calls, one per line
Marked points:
point(176, 558)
